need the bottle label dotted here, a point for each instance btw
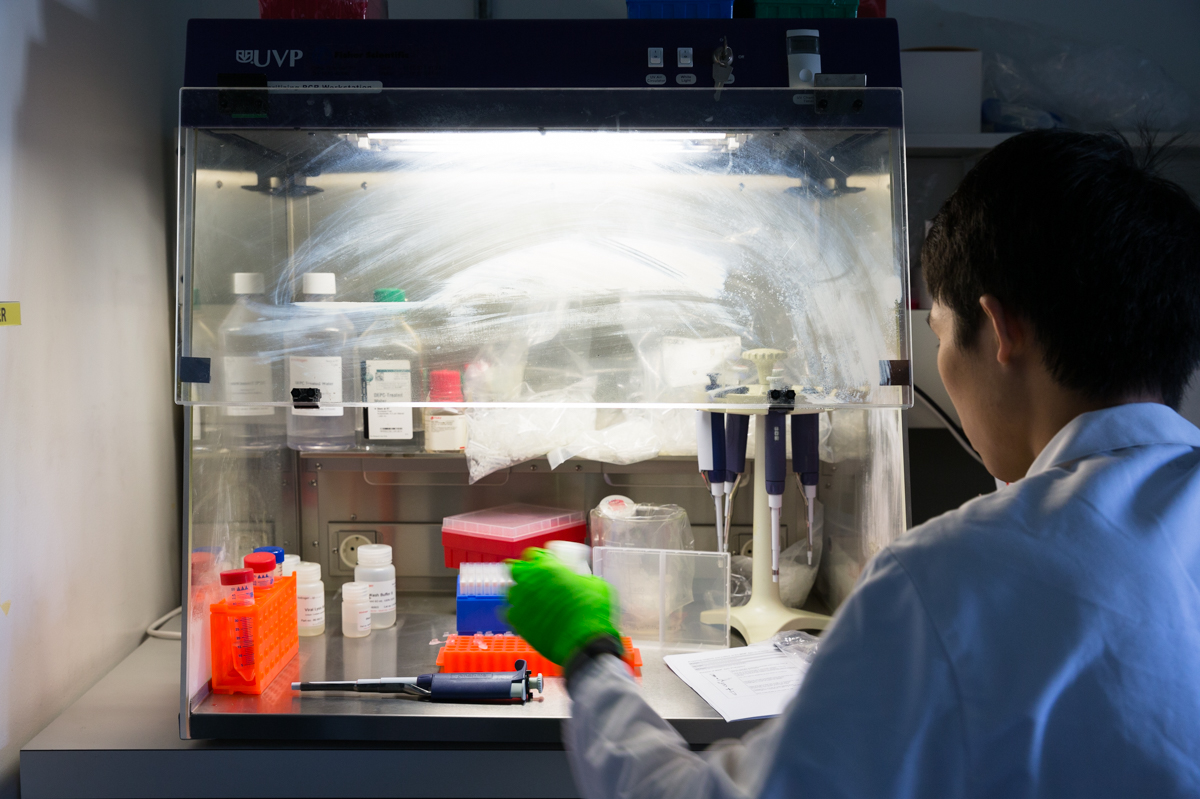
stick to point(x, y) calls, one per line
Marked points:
point(247, 380)
point(387, 381)
point(363, 620)
point(446, 433)
point(382, 596)
point(322, 373)
point(310, 610)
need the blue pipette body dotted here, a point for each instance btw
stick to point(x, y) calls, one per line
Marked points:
point(737, 427)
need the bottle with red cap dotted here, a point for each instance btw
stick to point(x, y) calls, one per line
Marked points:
point(263, 566)
point(445, 428)
point(238, 587)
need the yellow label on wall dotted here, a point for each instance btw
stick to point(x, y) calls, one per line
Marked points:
point(10, 313)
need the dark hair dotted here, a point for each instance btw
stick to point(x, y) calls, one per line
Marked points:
point(1075, 233)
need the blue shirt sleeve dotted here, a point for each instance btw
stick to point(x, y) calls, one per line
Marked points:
point(879, 713)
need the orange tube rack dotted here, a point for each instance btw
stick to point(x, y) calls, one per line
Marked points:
point(474, 653)
point(275, 636)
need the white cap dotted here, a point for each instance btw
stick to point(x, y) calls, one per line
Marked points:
point(355, 592)
point(320, 283)
point(573, 554)
point(617, 507)
point(308, 572)
point(290, 562)
point(374, 555)
point(248, 283)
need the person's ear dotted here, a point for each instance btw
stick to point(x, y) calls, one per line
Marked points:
point(1008, 331)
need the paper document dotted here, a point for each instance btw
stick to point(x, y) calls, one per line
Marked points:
point(750, 682)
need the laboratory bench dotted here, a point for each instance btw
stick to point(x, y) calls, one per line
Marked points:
point(121, 738)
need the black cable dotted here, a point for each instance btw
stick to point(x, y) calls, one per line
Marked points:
point(944, 418)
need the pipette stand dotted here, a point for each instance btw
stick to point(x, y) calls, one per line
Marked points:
point(765, 614)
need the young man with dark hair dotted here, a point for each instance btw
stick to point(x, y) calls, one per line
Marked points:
point(1040, 641)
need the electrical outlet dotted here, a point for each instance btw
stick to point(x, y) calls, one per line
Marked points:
point(348, 544)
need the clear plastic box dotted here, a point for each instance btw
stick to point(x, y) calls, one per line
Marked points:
point(675, 598)
point(494, 534)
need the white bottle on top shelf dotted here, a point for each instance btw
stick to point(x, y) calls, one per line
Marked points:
point(250, 371)
point(319, 356)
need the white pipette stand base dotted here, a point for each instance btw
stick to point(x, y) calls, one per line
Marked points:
point(765, 614)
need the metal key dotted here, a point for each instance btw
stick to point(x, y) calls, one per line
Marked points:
point(722, 66)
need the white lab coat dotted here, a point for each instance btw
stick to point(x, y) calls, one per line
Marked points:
point(1041, 641)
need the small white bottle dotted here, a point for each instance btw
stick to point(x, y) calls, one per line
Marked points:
point(376, 570)
point(356, 610)
point(310, 599)
point(290, 564)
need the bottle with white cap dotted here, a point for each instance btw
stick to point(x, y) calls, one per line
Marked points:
point(249, 375)
point(356, 610)
point(319, 357)
point(375, 569)
point(310, 599)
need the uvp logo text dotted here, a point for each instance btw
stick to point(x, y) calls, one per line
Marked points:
point(252, 57)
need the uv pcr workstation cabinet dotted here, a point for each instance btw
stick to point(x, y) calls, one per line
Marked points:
point(432, 268)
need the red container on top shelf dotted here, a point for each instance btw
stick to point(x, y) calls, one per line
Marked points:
point(490, 536)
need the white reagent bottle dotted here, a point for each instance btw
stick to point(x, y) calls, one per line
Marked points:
point(391, 369)
point(319, 340)
point(248, 372)
point(310, 599)
point(376, 570)
point(356, 611)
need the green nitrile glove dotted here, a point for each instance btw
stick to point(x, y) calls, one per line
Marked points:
point(555, 610)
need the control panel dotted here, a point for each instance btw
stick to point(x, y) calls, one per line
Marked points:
point(768, 53)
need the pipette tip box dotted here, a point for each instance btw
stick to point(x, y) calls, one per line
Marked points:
point(505, 532)
point(481, 592)
point(475, 653)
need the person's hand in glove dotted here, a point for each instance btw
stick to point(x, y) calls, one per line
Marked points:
point(559, 613)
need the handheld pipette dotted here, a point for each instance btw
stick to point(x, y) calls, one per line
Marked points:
point(710, 451)
point(806, 463)
point(488, 686)
point(775, 472)
point(737, 427)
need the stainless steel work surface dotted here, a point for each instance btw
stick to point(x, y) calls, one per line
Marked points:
point(411, 648)
point(121, 739)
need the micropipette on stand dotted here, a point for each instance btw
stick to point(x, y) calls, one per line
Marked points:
point(471, 687)
point(710, 452)
point(737, 428)
point(806, 463)
point(776, 469)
